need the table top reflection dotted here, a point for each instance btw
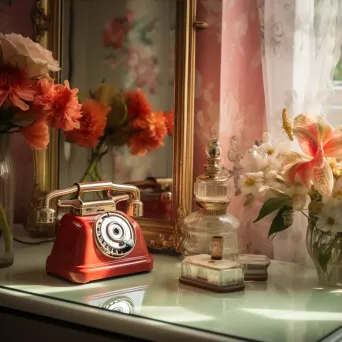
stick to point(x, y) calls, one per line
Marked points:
point(290, 306)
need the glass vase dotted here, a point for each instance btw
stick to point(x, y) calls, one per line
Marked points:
point(6, 203)
point(325, 249)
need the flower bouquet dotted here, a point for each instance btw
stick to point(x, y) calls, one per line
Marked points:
point(30, 103)
point(309, 182)
point(113, 117)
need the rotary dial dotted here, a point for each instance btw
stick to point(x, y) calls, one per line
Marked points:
point(124, 305)
point(114, 235)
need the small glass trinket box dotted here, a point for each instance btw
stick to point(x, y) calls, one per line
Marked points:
point(211, 272)
point(255, 266)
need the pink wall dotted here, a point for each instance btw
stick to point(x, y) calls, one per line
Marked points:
point(230, 99)
point(16, 18)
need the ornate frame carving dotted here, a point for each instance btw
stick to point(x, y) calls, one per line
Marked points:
point(46, 19)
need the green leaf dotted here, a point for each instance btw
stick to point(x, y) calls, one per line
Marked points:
point(271, 205)
point(280, 223)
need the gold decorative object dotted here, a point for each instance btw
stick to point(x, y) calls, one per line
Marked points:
point(46, 19)
point(200, 25)
point(40, 20)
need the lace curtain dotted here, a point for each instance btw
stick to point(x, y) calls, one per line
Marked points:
point(301, 45)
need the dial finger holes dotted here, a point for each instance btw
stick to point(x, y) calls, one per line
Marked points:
point(114, 234)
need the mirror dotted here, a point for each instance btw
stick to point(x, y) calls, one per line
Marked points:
point(133, 63)
point(121, 53)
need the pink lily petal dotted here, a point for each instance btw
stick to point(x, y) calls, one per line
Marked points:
point(325, 131)
point(323, 179)
point(319, 158)
point(333, 146)
point(303, 119)
point(301, 173)
point(307, 138)
point(291, 157)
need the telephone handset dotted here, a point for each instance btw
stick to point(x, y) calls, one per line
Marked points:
point(93, 239)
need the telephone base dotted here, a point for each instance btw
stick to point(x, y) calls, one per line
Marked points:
point(87, 273)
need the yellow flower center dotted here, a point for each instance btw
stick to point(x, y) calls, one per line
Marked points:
point(250, 181)
point(337, 172)
point(332, 163)
point(338, 194)
point(330, 221)
point(270, 151)
point(287, 125)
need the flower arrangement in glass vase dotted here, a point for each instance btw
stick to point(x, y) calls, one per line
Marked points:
point(30, 103)
point(112, 117)
point(309, 182)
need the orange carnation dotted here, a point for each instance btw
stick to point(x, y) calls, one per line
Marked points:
point(151, 133)
point(36, 134)
point(92, 124)
point(59, 104)
point(169, 117)
point(137, 104)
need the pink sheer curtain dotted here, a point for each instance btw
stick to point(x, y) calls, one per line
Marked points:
point(230, 98)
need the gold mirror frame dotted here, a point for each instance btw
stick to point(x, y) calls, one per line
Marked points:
point(47, 23)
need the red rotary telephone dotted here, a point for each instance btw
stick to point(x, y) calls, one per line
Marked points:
point(93, 240)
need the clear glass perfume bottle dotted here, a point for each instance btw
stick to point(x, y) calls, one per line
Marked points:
point(212, 195)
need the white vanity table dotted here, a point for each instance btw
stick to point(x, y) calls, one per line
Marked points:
point(289, 307)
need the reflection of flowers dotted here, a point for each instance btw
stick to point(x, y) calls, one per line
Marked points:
point(92, 125)
point(115, 118)
point(145, 68)
point(138, 104)
point(151, 129)
point(132, 41)
point(170, 122)
point(115, 31)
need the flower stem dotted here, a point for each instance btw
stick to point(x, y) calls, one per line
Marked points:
point(99, 153)
point(5, 230)
point(304, 214)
